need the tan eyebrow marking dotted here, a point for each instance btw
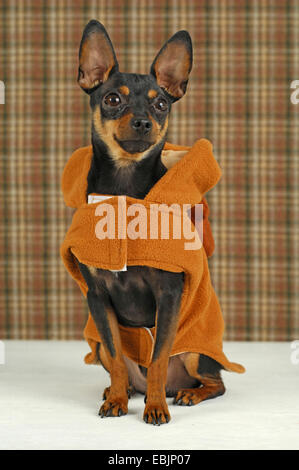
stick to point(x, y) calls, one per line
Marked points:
point(152, 94)
point(124, 90)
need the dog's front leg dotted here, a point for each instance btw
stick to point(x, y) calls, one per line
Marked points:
point(116, 402)
point(168, 305)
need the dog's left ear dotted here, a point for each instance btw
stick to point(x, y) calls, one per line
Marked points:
point(173, 64)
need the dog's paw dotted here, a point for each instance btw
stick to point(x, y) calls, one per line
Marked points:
point(156, 413)
point(131, 391)
point(106, 393)
point(193, 396)
point(186, 397)
point(113, 407)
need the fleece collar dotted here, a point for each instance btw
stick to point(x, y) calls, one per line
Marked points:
point(191, 172)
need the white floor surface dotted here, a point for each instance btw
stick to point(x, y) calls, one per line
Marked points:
point(49, 399)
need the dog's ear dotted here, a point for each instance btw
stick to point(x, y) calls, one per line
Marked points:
point(97, 59)
point(173, 64)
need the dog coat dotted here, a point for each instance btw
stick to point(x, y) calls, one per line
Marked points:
point(192, 171)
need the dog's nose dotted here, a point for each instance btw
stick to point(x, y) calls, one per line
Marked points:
point(142, 126)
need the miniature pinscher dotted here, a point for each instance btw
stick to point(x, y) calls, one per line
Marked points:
point(129, 123)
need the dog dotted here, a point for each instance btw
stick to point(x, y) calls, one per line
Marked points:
point(130, 115)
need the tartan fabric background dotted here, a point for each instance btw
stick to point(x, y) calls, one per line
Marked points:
point(246, 53)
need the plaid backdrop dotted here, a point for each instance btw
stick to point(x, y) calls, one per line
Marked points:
point(246, 54)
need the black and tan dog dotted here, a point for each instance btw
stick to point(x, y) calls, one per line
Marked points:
point(129, 123)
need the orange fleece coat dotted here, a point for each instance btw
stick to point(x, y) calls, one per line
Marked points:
point(192, 171)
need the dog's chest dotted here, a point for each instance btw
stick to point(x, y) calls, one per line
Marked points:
point(131, 295)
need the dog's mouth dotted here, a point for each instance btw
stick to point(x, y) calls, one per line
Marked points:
point(134, 146)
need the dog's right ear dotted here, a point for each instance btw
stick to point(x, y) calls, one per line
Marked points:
point(97, 59)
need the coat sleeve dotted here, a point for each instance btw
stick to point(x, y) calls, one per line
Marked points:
point(208, 240)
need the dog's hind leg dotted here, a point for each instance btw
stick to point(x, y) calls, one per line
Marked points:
point(207, 372)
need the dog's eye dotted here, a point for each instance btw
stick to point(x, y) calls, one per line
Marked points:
point(112, 99)
point(161, 104)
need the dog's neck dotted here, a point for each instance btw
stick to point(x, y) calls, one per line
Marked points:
point(106, 176)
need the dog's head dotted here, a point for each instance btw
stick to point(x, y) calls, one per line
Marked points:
point(130, 111)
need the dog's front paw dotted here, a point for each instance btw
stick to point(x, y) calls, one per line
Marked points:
point(106, 393)
point(156, 413)
point(131, 391)
point(116, 406)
